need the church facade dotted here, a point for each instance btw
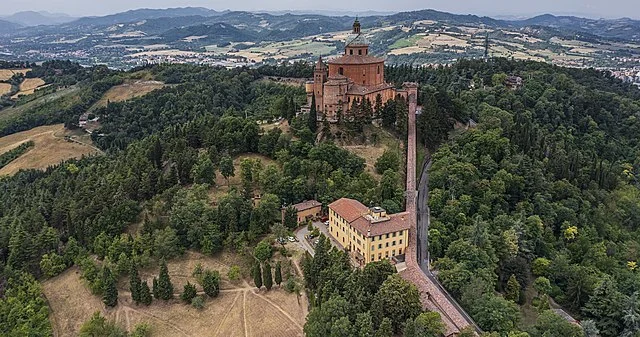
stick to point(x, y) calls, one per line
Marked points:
point(354, 76)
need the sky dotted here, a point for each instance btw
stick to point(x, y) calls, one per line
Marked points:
point(588, 8)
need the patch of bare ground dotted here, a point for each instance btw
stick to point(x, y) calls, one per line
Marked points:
point(129, 90)
point(50, 147)
point(29, 86)
point(239, 311)
point(6, 74)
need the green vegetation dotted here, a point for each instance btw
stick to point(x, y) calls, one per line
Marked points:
point(11, 155)
point(544, 186)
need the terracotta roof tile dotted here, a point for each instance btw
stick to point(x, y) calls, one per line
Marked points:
point(349, 209)
point(307, 204)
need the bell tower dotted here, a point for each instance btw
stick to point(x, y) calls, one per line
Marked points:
point(319, 77)
point(356, 26)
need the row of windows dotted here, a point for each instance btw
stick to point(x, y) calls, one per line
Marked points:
point(388, 235)
point(359, 52)
point(393, 243)
point(386, 255)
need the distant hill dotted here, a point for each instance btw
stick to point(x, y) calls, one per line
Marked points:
point(7, 27)
point(621, 29)
point(219, 33)
point(143, 14)
point(31, 18)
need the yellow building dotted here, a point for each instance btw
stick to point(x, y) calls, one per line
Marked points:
point(369, 234)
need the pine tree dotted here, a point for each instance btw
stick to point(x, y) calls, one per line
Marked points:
point(156, 290)
point(513, 289)
point(165, 288)
point(188, 293)
point(267, 277)
point(109, 290)
point(278, 275)
point(257, 275)
point(385, 329)
point(313, 115)
point(145, 294)
point(134, 283)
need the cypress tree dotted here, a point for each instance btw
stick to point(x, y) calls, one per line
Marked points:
point(292, 109)
point(257, 275)
point(110, 292)
point(145, 294)
point(165, 288)
point(156, 290)
point(313, 116)
point(134, 283)
point(278, 275)
point(267, 277)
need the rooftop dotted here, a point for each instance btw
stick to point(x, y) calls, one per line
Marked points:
point(305, 205)
point(359, 217)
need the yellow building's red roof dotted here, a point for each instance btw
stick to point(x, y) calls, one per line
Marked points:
point(356, 214)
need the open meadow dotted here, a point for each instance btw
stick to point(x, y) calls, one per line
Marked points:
point(29, 86)
point(50, 147)
point(128, 90)
point(6, 74)
point(240, 310)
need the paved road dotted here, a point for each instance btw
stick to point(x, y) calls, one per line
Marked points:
point(424, 218)
point(303, 231)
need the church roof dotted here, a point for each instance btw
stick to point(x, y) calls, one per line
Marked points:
point(356, 40)
point(357, 89)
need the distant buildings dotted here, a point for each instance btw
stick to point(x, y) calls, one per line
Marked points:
point(368, 234)
point(513, 82)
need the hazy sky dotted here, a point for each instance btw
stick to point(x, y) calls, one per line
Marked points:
point(591, 8)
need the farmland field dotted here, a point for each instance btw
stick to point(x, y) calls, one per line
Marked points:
point(240, 309)
point(129, 90)
point(6, 74)
point(28, 86)
point(5, 88)
point(50, 148)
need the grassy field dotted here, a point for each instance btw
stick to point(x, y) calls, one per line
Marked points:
point(5, 88)
point(6, 74)
point(129, 90)
point(240, 309)
point(28, 86)
point(50, 147)
point(17, 110)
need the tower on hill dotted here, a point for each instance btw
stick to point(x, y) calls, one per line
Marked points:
point(354, 76)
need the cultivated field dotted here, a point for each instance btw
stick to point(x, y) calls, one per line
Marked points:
point(240, 309)
point(6, 74)
point(129, 90)
point(5, 88)
point(28, 86)
point(50, 148)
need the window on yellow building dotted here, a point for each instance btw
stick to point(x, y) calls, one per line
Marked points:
point(387, 244)
point(393, 252)
point(373, 247)
point(393, 243)
point(400, 251)
point(379, 246)
point(379, 256)
point(394, 234)
point(387, 235)
point(400, 241)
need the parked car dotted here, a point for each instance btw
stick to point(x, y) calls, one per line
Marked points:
point(292, 239)
point(281, 241)
point(316, 241)
point(326, 223)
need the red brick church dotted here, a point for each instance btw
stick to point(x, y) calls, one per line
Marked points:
point(355, 75)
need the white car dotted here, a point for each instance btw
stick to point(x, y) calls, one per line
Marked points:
point(292, 239)
point(326, 223)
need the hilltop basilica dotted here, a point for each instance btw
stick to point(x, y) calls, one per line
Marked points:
point(355, 75)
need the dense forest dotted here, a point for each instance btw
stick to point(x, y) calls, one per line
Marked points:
point(539, 202)
point(533, 208)
point(163, 153)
